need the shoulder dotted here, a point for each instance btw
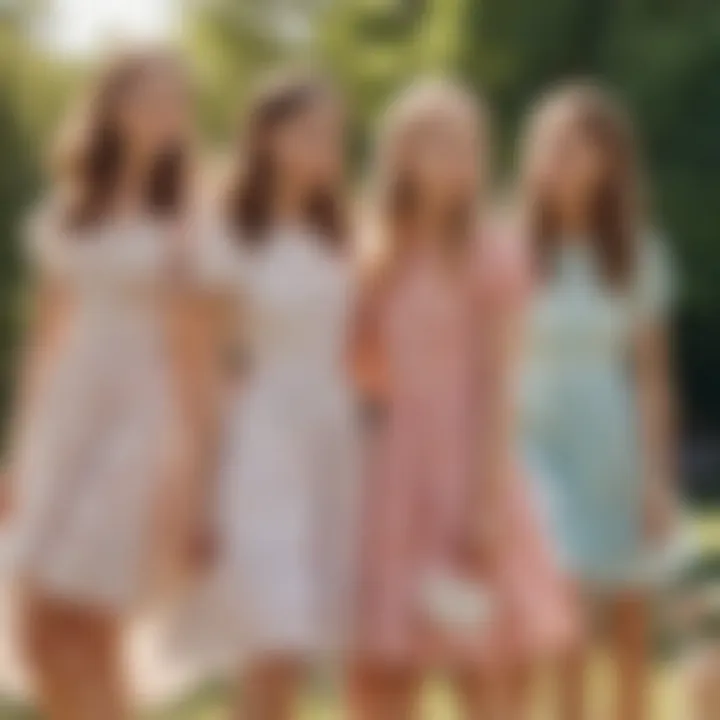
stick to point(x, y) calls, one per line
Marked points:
point(502, 260)
point(372, 277)
point(44, 232)
point(370, 258)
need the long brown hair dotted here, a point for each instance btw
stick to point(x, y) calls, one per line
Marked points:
point(395, 195)
point(89, 154)
point(598, 118)
point(249, 193)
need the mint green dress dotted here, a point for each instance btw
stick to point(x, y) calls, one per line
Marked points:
point(579, 420)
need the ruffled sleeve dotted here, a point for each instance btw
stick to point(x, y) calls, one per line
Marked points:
point(656, 286)
point(44, 244)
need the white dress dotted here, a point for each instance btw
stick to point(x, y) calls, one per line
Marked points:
point(288, 469)
point(92, 449)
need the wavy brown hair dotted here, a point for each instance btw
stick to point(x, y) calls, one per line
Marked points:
point(89, 154)
point(597, 118)
point(395, 194)
point(249, 195)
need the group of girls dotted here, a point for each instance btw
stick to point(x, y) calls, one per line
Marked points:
point(411, 434)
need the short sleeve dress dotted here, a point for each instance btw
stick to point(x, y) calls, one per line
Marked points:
point(92, 451)
point(579, 410)
point(288, 459)
point(431, 333)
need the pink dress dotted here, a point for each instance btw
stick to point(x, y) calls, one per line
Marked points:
point(429, 329)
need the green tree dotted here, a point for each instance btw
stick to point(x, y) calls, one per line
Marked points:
point(664, 58)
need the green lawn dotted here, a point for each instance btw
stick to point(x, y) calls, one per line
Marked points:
point(321, 705)
point(667, 692)
point(438, 705)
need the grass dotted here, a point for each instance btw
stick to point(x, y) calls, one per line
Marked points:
point(438, 705)
point(212, 703)
point(320, 704)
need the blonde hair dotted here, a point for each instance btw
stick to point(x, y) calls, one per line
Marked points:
point(391, 197)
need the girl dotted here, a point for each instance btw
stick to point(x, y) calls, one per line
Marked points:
point(94, 433)
point(286, 477)
point(597, 401)
point(454, 572)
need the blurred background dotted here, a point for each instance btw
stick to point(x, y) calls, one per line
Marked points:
point(663, 56)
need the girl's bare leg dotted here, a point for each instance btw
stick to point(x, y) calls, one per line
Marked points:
point(74, 658)
point(270, 689)
point(496, 694)
point(572, 668)
point(44, 634)
point(382, 693)
point(479, 696)
point(630, 647)
point(517, 696)
point(701, 682)
point(100, 667)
